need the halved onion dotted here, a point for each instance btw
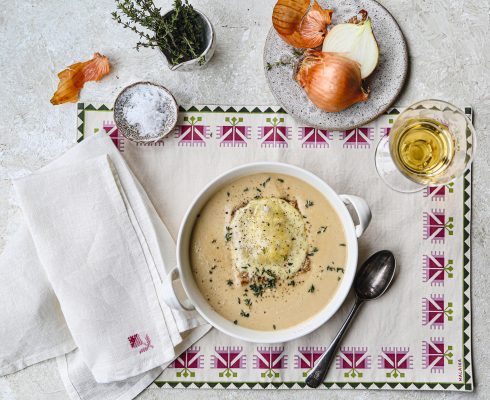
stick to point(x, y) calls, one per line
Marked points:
point(355, 41)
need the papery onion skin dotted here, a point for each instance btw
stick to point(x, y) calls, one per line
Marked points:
point(74, 77)
point(331, 81)
point(299, 27)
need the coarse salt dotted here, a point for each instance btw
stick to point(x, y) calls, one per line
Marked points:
point(149, 109)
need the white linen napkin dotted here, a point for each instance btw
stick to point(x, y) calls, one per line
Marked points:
point(94, 243)
point(32, 326)
point(81, 385)
point(99, 265)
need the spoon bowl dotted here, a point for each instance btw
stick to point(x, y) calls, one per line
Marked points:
point(375, 275)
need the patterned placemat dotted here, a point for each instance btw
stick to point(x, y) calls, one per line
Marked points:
point(417, 336)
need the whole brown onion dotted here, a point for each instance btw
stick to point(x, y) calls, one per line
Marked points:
point(331, 81)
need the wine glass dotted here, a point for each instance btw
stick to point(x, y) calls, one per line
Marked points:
point(431, 143)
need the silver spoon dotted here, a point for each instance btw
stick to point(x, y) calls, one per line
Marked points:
point(372, 280)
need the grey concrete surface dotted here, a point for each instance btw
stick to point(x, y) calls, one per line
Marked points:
point(449, 43)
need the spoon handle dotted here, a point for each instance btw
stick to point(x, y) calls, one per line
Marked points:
point(317, 375)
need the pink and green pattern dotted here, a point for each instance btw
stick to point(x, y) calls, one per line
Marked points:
point(396, 361)
point(274, 133)
point(307, 357)
point(437, 226)
point(421, 339)
point(439, 193)
point(437, 268)
point(187, 362)
point(234, 133)
point(355, 360)
point(270, 360)
point(436, 312)
point(192, 132)
point(228, 360)
point(314, 137)
point(358, 138)
point(436, 355)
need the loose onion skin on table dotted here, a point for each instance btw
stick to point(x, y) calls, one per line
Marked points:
point(73, 78)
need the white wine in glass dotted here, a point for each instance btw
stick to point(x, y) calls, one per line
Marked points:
point(432, 142)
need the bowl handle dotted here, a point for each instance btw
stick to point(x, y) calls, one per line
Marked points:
point(362, 209)
point(169, 295)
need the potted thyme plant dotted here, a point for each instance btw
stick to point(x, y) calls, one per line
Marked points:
point(184, 35)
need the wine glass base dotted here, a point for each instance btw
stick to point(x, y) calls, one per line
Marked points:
point(389, 173)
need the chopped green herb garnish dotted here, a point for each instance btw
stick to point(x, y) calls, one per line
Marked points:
point(313, 251)
point(248, 302)
point(280, 180)
point(322, 229)
point(228, 234)
point(342, 244)
point(213, 241)
point(274, 327)
point(265, 182)
point(228, 194)
point(311, 289)
point(229, 282)
point(292, 283)
point(244, 314)
point(309, 204)
point(235, 322)
point(269, 272)
point(246, 189)
point(258, 289)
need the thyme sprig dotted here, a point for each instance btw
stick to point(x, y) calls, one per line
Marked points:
point(286, 60)
point(179, 34)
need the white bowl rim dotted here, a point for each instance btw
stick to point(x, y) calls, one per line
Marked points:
point(197, 298)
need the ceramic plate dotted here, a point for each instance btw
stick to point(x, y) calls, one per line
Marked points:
point(385, 82)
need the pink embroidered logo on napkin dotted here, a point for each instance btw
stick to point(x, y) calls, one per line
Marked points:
point(135, 342)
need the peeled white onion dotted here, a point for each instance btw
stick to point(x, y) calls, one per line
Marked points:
point(355, 41)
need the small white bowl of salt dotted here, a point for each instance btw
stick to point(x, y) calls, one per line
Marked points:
point(145, 112)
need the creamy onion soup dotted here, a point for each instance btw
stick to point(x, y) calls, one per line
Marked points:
point(268, 251)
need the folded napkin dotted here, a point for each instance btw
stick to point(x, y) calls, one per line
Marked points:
point(85, 271)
